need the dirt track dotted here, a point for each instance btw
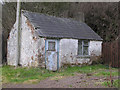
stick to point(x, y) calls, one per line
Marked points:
point(76, 81)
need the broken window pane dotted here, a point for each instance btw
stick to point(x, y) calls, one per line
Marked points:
point(51, 46)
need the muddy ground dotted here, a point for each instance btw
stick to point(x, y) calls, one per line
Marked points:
point(76, 81)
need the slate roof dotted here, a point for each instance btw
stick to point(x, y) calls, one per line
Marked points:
point(55, 27)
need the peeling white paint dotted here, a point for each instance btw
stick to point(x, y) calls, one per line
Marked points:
point(12, 47)
point(51, 63)
point(51, 56)
point(95, 48)
point(69, 49)
point(30, 48)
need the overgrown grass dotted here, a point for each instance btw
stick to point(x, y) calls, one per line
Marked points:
point(12, 74)
point(106, 73)
point(84, 69)
point(21, 75)
point(115, 83)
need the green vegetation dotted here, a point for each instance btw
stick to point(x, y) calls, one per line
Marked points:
point(33, 75)
point(70, 85)
point(115, 83)
point(12, 74)
point(106, 73)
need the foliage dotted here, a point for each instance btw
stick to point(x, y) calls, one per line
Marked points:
point(115, 83)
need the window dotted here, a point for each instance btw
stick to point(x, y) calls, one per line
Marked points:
point(83, 46)
point(51, 46)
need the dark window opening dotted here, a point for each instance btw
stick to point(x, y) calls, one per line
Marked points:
point(51, 46)
point(83, 47)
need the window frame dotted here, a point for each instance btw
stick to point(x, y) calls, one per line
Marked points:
point(51, 40)
point(54, 45)
point(83, 45)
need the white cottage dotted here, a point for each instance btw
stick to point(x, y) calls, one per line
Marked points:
point(52, 42)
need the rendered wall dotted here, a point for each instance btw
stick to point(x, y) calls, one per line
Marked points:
point(12, 47)
point(32, 46)
point(95, 48)
point(69, 49)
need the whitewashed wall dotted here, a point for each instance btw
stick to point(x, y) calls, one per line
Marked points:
point(28, 45)
point(32, 46)
point(12, 47)
point(69, 49)
point(95, 48)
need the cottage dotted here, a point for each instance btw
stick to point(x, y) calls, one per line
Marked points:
point(52, 42)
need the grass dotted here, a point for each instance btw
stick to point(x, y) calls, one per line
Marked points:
point(70, 85)
point(84, 69)
point(106, 73)
point(115, 83)
point(11, 74)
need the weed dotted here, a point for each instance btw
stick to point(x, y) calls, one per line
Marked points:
point(20, 74)
point(115, 83)
point(70, 85)
point(106, 73)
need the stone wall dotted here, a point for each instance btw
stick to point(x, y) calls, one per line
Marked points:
point(12, 46)
point(41, 52)
point(95, 48)
point(69, 49)
point(32, 46)
point(95, 51)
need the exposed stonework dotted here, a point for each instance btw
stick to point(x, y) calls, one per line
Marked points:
point(29, 48)
point(41, 52)
point(32, 46)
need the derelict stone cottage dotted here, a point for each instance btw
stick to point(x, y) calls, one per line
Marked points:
point(51, 42)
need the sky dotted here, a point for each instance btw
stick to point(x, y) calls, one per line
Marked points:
point(1, 1)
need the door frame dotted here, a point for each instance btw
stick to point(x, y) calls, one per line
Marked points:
point(56, 47)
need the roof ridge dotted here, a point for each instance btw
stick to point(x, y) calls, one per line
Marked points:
point(69, 19)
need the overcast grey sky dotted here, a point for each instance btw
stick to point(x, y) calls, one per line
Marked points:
point(1, 1)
